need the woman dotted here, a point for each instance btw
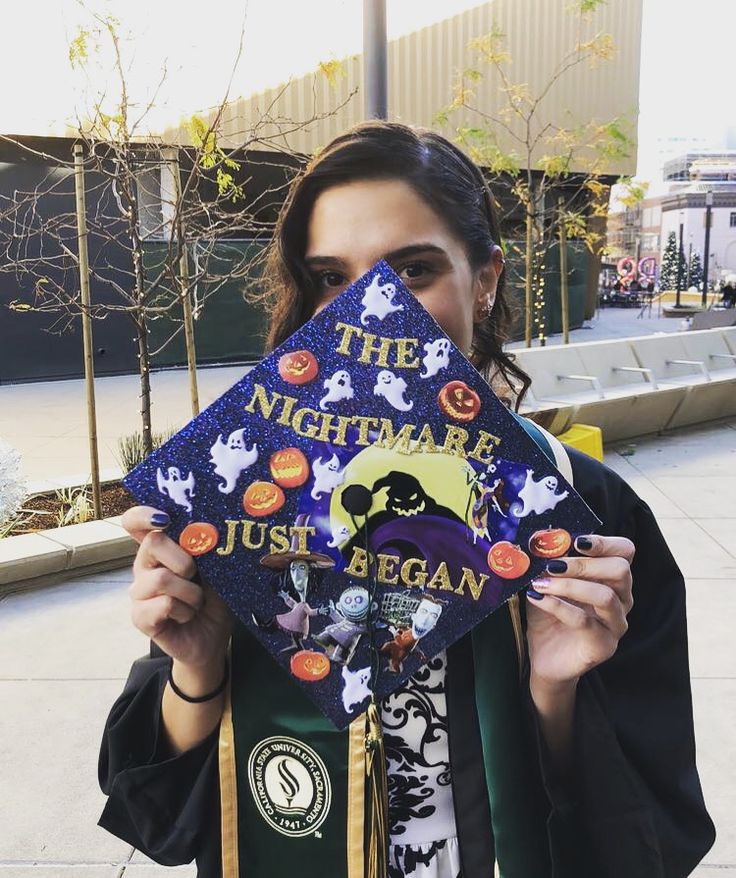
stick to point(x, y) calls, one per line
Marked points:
point(567, 752)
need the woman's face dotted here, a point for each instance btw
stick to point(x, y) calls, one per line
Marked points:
point(354, 225)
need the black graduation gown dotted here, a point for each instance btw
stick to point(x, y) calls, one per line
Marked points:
point(635, 808)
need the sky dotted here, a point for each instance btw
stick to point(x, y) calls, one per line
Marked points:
point(686, 72)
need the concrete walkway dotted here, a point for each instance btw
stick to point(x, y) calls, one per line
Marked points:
point(65, 652)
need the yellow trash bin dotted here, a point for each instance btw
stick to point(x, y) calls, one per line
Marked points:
point(585, 438)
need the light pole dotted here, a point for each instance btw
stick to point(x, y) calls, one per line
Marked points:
point(680, 260)
point(706, 247)
point(375, 66)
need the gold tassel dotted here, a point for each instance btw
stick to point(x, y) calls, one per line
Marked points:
point(375, 767)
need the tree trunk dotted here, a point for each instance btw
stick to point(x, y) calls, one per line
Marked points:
point(89, 369)
point(144, 373)
point(172, 159)
point(128, 185)
point(564, 293)
point(528, 275)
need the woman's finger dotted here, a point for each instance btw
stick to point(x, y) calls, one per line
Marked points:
point(152, 616)
point(158, 550)
point(141, 520)
point(161, 581)
point(568, 614)
point(597, 546)
point(589, 597)
point(613, 571)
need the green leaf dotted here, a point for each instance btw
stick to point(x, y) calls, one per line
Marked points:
point(79, 48)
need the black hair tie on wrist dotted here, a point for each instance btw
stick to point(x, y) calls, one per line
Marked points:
point(202, 698)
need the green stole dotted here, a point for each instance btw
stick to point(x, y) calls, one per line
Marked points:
point(292, 787)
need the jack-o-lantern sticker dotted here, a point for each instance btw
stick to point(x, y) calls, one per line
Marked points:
point(289, 467)
point(458, 401)
point(309, 666)
point(298, 367)
point(507, 560)
point(263, 498)
point(553, 542)
point(198, 538)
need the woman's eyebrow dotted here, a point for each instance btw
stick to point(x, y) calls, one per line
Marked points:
point(394, 255)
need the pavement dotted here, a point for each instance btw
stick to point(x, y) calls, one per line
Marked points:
point(65, 652)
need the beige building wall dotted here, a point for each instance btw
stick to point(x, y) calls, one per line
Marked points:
point(423, 67)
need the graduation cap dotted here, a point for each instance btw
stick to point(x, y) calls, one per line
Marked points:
point(362, 495)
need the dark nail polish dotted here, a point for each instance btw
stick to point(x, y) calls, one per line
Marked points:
point(557, 566)
point(584, 543)
point(160, 519)
point(534, 595)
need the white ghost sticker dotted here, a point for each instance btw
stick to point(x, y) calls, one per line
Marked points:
point(377, 300)
point(436, 358)
point(355, 688)
point(176, 487)
point(327, 476)
point(338, 387)
point(231, 458)
point(340, 534)
point(537, 497)
point(392, 388)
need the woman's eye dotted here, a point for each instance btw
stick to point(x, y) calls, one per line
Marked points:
point(413, 271)
point(330, 280)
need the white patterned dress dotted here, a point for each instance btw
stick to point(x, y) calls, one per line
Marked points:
point(423, 836)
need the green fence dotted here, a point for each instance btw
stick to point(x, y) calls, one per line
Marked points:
point(228, 327)
point(578, 268)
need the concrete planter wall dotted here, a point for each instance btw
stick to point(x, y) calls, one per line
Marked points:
point(31, 560)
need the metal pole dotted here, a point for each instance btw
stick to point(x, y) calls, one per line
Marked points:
point(89, 366)
point(706, 247)
point(375, 67)
point(680, 260)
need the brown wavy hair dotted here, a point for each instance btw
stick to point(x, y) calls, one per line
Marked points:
point(445, 178)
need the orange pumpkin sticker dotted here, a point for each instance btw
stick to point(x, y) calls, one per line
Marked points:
point(289, 467)
point(298, 367)
point(553, 542)
point(507, 560)
point(310, 666)
point(458, 401)
point(198, 538)
point(263, 498)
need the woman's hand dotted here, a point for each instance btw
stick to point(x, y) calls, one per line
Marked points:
point(579, 614)
point(188, 622)
point(575, 619)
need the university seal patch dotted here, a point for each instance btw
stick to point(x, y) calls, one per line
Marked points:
point(290, 785)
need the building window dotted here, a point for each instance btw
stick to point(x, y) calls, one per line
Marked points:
point(733, 219)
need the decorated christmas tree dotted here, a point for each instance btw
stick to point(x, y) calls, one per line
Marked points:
point(668, 272)
point(695, 271)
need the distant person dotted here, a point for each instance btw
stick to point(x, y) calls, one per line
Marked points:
point(728, 294)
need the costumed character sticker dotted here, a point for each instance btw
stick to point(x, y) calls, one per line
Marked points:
point(361, 499)
point(290, 785)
